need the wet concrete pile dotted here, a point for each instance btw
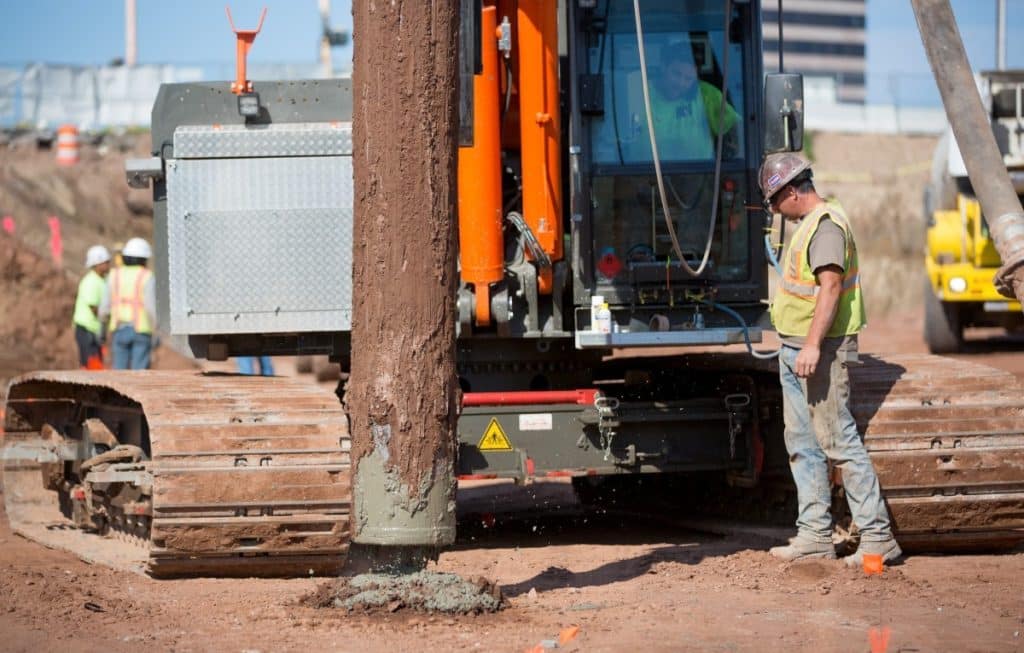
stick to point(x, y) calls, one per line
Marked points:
point(422, 591)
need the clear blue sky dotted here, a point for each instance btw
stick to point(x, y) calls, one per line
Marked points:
point(168, 31)
point(196, 31)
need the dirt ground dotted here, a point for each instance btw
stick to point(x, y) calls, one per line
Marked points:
point(627, 585)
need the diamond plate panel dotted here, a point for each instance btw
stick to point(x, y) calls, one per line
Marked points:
point(277, 139)
point(260, 245)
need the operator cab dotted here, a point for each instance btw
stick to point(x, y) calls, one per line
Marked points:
point(703, 73)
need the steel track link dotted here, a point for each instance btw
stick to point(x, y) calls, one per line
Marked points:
point(947, 440)
point(250, 475)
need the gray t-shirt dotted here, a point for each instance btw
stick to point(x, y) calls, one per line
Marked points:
point(827, 247)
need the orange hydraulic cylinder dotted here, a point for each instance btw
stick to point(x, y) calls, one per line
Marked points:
point(481, 245)
point(539, 127)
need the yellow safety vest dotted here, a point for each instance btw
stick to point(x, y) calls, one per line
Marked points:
point(793, 307)
point(127, 298)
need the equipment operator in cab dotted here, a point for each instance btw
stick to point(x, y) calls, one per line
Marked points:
point(688, 112)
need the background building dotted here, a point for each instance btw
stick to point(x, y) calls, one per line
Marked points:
point(823, 39)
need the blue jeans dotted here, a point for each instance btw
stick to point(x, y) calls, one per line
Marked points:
point(819, 427)
point(247, 365)
point(131, 350)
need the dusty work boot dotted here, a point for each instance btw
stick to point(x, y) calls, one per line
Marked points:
point(888, 549)
point(800, 548)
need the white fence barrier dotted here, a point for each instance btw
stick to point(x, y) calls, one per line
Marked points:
point(93, 97)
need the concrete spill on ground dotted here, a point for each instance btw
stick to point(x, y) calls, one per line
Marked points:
point(422, 591)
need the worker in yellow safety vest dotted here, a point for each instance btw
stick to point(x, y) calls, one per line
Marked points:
point(129, 301)
point(89, 331)
point(818, 309)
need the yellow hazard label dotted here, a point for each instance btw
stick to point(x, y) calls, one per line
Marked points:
point(494, 438)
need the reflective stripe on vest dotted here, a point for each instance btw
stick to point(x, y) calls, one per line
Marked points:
point(793, 307)
point(127, 298)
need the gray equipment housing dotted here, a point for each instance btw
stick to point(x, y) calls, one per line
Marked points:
point(253, 218)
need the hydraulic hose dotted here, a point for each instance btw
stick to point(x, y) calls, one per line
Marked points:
point(654, 143)
point(770, 251)
point(746, 330)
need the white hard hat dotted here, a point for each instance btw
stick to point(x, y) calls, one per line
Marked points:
point(97, 254)
point(137, 248)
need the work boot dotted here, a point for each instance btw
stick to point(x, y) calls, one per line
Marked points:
point(888, 549)
point(800, 548)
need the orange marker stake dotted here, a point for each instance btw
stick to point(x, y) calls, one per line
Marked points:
point(879, 639)
point(873, 564)
point(567, 635)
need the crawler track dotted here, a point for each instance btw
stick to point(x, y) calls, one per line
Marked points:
point(250, 475)
point(947, 440)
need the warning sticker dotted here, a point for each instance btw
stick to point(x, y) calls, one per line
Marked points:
point(535, 422)
point(494, 438)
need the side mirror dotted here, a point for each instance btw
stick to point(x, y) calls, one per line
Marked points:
point(783, 112)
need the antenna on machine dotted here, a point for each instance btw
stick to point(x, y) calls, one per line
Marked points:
point(244, 41)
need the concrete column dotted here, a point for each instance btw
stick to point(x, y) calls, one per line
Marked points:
point(402, 392)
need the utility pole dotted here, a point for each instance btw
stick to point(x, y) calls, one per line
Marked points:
point(1001, 34)
point(325, 41)
point(329, 38)
point(967, 117)
point(130, 49)
point(402, 395)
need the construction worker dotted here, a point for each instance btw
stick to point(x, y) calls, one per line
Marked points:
point(818, 309)
point(130, 302)
point(89, 332)
point(686, 110)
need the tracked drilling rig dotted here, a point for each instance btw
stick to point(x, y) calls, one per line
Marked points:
point(608, 209)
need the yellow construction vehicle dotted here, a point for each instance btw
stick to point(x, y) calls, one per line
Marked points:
point(961, 258)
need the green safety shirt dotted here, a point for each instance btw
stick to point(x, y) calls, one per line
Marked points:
point(90, 293)
point(685, 127)
point(793, 307)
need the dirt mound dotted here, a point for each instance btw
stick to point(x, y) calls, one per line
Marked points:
point(94, 204)
point(37, 304)
point(91, 199)
point(880, 180)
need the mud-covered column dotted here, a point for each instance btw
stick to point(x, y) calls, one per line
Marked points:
point(402, 393)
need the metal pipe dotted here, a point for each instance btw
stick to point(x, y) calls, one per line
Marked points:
point(985, 166)
point(582, 397)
